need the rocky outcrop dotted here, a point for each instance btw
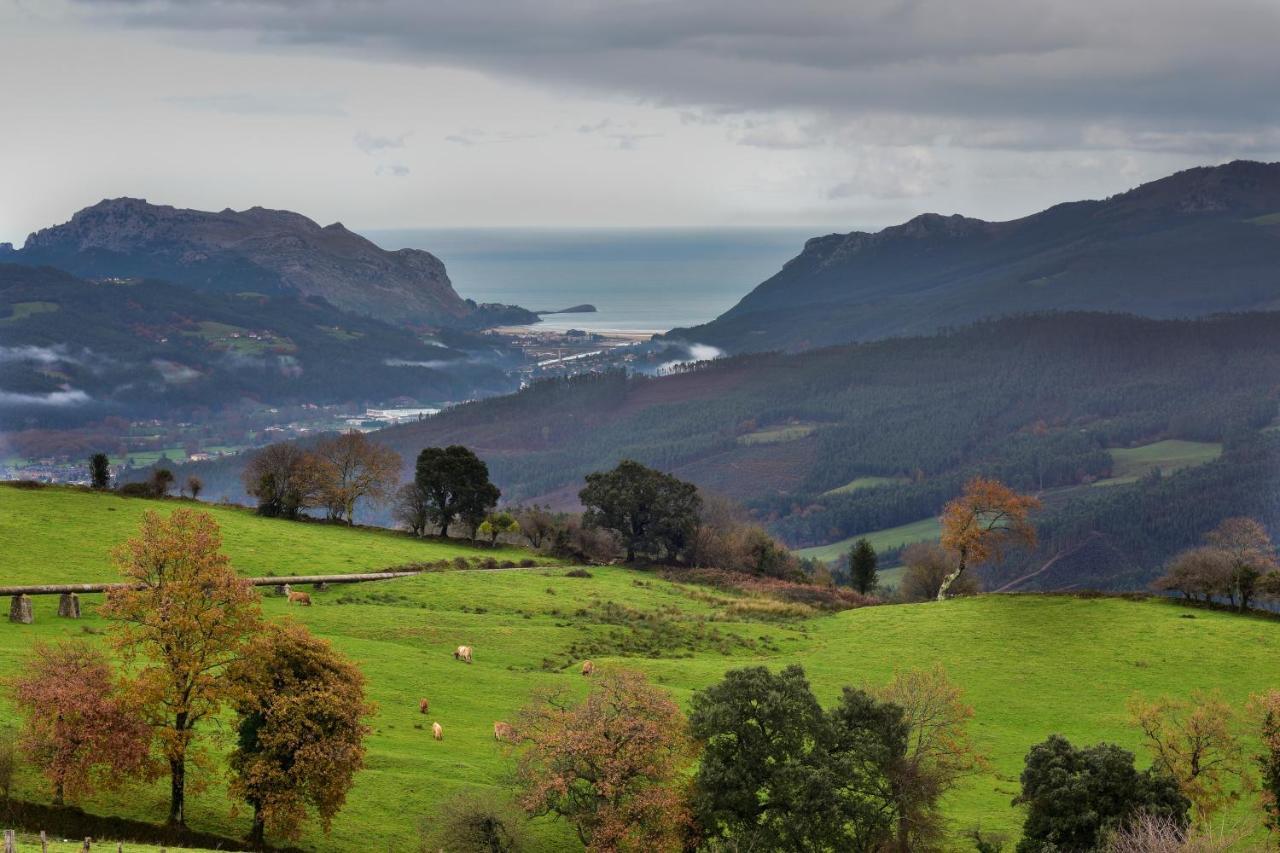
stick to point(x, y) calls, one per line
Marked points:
point(258, 250)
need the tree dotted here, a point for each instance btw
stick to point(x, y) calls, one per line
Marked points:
point(610, 764)
point(183, 616)
point(161, 482)
point(1265, 711)
point(353, 469)
point(1201, 573)
point(455, 483)
point(979, 525)
point(1248, 547)
point(1075, 796)
point(479, 821)
point(78, 728)
point(939, 752)
point(779, 773)
point(1193, 742)
point(926, 567)
point(284, 478)
point(411, 508)
point(100, 471)
point(194, 486)
point(653, 513)
point(302, 722)
point(862, 567)
point(537, 524)
point(496, 524)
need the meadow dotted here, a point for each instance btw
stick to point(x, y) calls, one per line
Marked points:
point(1132, 463)
point(924, 530)
point(1030, 665)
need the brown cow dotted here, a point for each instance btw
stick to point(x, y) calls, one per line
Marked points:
point(437, 731)
point(503, 731)
point(423, 706)
point(588, 667)
point(300, 598)
point(462, 653)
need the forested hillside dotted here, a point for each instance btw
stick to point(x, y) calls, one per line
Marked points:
point(842, 441)
point(1199, 241)
point(75, 350)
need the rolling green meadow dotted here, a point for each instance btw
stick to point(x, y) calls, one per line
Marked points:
point(1030, 665)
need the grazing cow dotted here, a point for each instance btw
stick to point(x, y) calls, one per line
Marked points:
point(423, 706)
point(462, 653)
point(588, 667)
point(503, 731)
point(437, 731)
point(300, 598)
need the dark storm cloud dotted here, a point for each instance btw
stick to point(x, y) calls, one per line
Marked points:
point(1163, 74)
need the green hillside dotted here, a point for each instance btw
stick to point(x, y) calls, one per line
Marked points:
point(1133, 463)
point(924, 530)
point(1030, 665)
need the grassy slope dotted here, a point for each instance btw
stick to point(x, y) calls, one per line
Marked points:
point(66, 536)
point(864, 483)
point(882, 540)
point(1133, 463)
point(1029, 665)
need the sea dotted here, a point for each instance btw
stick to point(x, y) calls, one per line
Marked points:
point(640, 280)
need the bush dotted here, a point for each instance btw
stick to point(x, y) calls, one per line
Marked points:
point(489, 563)
point(476, 822)
point(528, 563)
point(25, 484)
point(136, 490)
point(577, 573)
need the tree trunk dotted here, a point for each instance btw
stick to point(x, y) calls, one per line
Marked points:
point(951, 578)
point(177, 792)
point(59, 798)
point(258, 832)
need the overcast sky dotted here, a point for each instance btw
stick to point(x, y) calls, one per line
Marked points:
point(405, 113)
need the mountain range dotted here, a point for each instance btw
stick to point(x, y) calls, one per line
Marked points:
point(270, 252)
point(1197, 242)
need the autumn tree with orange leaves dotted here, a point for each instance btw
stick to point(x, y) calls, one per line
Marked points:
point(302, 723)
point(182, 617)
point(1194, 742)
point(939, 753)
point(78, 728)
point(982, 522)
point(612, 764)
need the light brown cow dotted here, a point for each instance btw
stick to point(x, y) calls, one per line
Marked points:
point(437, 731)
point(503, 731)
point(588, 667)
point(423, 706)
point(462, 653)
point(300, 598)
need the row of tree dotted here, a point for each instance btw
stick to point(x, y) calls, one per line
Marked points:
point(777, 771)
point(1236, 563)
point(193, 640)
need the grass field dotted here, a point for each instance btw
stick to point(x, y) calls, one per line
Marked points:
point(882, 540)
point(1030, 665)
point(1133, 463)
point(56, 535)
point(23, 310)
point(777, 435)
point(864, 483)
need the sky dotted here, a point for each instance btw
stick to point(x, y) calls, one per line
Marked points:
point(833, 114)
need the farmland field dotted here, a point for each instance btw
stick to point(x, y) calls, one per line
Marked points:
point(1030, 665)
point(1133, 463)
point(924, 530)
point(864, 483)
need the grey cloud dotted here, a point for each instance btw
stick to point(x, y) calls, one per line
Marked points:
point(392, 170)
point(40, 355)
point(54, 399)
point(251, 103)
point(371, 144)
point(1151, 73)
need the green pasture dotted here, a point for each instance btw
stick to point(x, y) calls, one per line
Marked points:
point(1030, 665)
point(1133, 463)
point(923, 530)
point(864, 483)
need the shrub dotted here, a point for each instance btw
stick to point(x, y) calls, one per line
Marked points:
point(136, 490)
point(528, 563)
point(480, 821)
point(577, 573)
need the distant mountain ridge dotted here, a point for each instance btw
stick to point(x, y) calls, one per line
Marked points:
point(1198, 242)
point(272, 252)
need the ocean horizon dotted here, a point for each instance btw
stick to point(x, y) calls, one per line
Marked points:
point(640, 280)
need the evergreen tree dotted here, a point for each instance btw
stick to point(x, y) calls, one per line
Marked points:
point(100, 471)
point(862, 567)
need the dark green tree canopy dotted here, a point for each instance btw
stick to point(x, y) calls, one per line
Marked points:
point(1075, 796)
point(655, 514)
point(862, 567)
point(455, 484)
point(100, 471)
point(779, 773)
